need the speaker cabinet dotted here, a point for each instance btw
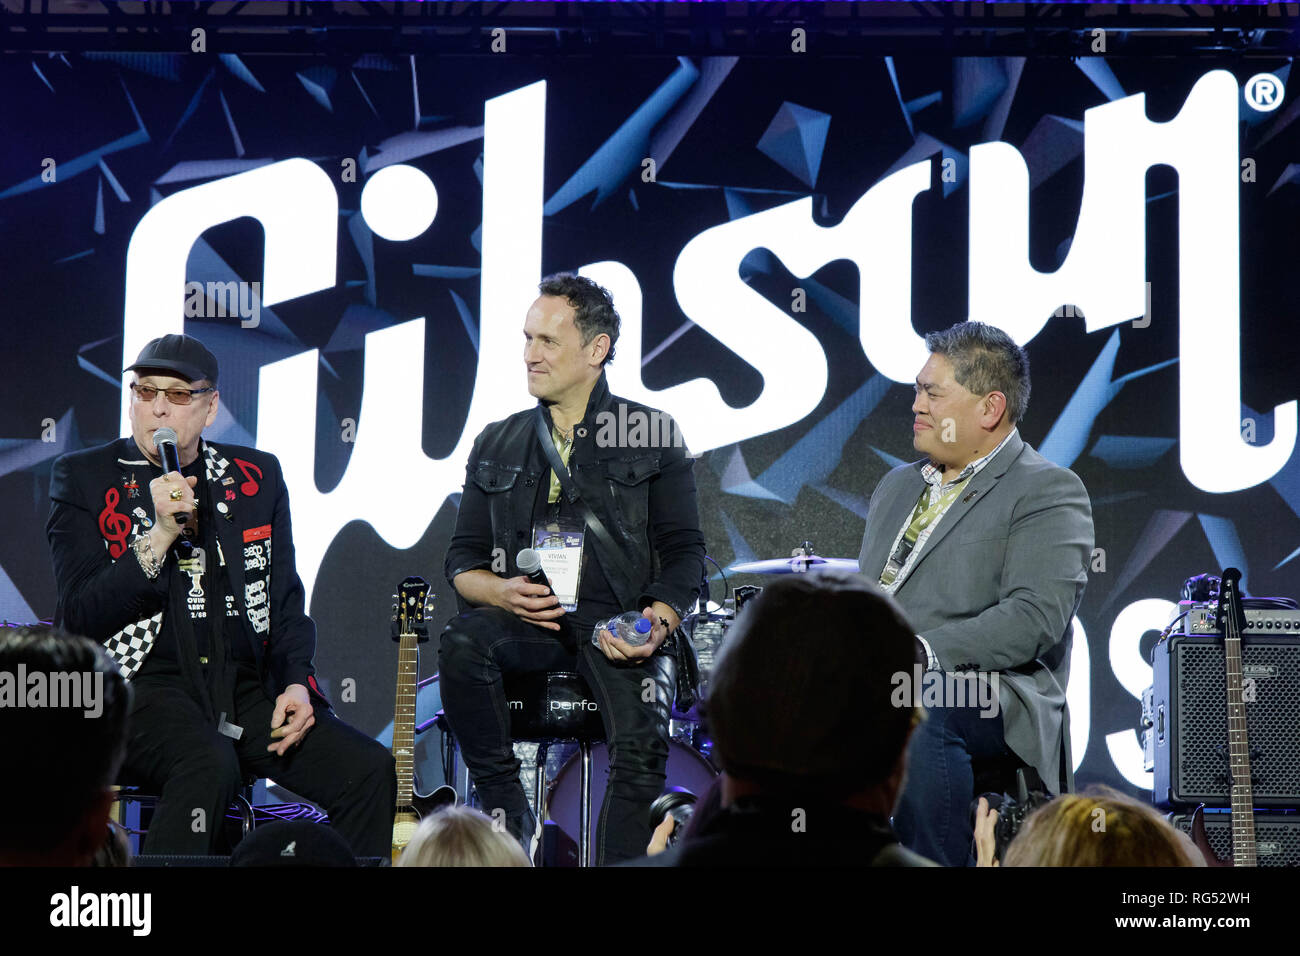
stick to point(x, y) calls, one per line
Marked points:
point(1190, 715)
point(1277, 835)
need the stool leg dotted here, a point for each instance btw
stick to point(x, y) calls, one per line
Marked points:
point(457, 775)
point(118, 813)
point(243, 800)
point(539, 786)
point(449, 746)
point(133, 818)
point(584, 823)
point(130, 819)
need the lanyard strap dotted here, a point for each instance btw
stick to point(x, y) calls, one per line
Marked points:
point(554, 494)
point(612, 553)
point(922, 517)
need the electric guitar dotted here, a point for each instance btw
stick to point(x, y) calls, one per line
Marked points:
point(410, 629)
point(1232, 618)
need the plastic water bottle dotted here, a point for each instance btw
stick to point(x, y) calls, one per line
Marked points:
point(629, 626)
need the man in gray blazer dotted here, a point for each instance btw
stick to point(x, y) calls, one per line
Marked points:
point(985, 544)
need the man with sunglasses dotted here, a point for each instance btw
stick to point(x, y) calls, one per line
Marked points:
point(188, 579)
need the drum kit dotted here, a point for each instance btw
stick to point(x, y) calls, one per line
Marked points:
point(690, 764)
point(708, 629)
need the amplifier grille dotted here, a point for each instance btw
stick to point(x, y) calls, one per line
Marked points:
point(1272, 719)
point(1277, 842)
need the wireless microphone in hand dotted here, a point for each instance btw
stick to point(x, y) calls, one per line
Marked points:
point(530, 565)
point(164, 439)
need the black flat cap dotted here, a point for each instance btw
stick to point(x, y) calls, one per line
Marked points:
point(183, 354)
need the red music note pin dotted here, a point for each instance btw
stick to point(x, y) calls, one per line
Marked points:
point(250, 486)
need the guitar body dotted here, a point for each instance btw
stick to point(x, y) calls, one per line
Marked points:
point(422, 805)
point(1202, 840)
point(404, 825)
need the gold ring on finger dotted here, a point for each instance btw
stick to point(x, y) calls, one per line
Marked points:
point(176, 494)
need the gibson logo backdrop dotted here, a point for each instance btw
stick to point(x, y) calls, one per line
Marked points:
point(358, 243)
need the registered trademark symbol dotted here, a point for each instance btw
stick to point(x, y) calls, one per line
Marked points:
point(1264, 92)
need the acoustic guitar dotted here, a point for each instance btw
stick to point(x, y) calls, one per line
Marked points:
point(410, 629)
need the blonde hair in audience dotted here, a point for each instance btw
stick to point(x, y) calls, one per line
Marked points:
point(1099, 827)
point(461, 836)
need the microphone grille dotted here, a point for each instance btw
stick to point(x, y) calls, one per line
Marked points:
point(164, 435)
point(528, 560)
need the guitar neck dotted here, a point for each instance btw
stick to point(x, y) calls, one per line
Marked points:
point(408, 668)
point(1243, 801)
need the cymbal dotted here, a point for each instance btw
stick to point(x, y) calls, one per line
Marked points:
point(796, 565)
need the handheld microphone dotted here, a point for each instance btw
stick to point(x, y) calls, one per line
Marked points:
point(164, 440)
point(530, 565)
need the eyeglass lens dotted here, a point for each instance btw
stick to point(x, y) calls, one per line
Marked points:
point(177, 396)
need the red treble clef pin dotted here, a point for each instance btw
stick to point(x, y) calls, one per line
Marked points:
point(113, 525)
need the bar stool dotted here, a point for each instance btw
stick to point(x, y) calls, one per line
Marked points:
point(128, 790)
point(550, 706)
point(547, 707)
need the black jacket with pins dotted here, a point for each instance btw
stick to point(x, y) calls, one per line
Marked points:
point(102, 587)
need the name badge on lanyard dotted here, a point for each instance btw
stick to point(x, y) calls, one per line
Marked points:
point(559, 546)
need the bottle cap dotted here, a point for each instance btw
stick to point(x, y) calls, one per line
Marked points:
point(642, 625)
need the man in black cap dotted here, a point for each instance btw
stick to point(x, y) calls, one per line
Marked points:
point(177, 576)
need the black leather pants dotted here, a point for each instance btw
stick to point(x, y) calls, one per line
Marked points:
point(480, 646)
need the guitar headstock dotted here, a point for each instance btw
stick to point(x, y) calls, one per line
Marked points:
point(1230, 606)
point(411, 609)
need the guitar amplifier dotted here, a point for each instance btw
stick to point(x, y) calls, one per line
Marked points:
point(1188, 742)
point(1277, 835)
point(1203, 619)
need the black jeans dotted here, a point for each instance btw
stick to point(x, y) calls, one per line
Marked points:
point(174, 748)
point(480, 646)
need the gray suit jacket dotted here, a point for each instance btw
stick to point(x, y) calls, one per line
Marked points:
point(996, 587)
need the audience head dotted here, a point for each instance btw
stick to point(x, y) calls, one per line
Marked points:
point(63, 718)
point(293, 843)
point(1099, 827)
point(462, 836)
point(801, 696)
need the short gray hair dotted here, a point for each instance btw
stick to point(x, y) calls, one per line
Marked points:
point(985, 359)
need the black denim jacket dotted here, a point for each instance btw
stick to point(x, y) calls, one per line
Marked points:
point(644, 492)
